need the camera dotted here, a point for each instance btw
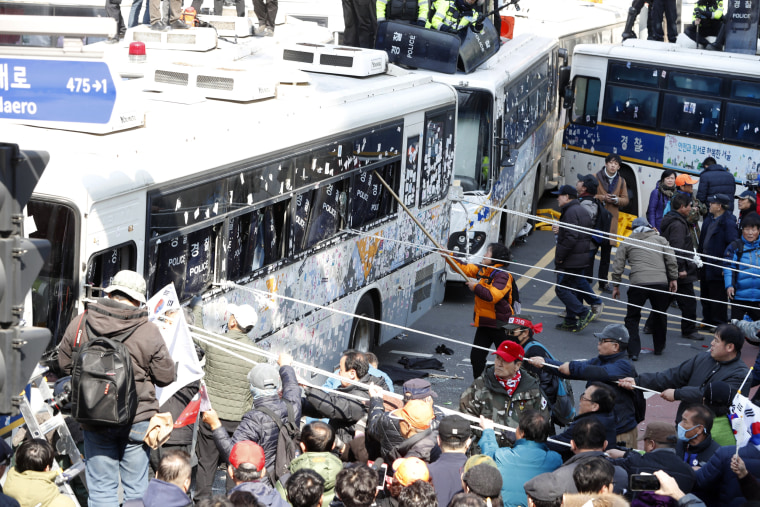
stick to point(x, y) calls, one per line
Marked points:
point(643, 482)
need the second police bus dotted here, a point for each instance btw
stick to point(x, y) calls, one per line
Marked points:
point(660, 106)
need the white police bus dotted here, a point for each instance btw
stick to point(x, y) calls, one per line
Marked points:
point(273, 185)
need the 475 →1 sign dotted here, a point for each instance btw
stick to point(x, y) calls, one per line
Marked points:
point(56, 90)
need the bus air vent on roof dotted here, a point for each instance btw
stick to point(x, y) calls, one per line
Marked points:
point(228, 83)
point(194, 39)
point(331, 59)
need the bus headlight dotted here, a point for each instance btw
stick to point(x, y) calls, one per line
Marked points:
point(458, 240)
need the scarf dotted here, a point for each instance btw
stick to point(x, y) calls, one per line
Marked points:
point(612, 180)
point(262, 393)
point(510, 384)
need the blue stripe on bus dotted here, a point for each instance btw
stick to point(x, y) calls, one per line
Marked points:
point(635, 145)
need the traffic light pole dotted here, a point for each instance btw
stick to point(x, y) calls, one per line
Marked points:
point(21, 260)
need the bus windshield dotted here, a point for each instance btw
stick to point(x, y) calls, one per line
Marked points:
point(473, 148)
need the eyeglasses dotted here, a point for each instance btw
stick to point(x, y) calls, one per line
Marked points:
point(516, 332)
point(585, 398)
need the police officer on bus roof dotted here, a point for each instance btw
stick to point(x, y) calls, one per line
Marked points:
point(706, 21)
point(412, 11)
point(227, 384)
point(112, 449)
point(715, 179)
point(613, 192)
point(360, 20)
point(455, 15)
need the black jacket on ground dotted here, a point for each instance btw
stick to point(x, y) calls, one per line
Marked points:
point(573, 245)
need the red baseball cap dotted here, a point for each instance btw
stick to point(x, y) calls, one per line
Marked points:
point(510, 351)
point(249, 452)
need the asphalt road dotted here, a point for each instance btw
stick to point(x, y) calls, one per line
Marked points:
point(531, 267)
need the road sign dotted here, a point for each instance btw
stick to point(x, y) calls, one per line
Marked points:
point(56, 90)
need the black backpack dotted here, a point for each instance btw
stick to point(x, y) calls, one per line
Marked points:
point(603, 223)
point(563, 410)
point(102, 378)
point(287, 442)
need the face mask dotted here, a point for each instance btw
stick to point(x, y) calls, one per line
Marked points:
point(682, 432)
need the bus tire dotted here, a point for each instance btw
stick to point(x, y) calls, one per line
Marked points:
point(364, 334)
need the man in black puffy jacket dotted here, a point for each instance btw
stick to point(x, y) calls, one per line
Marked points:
point(715, 179)
point(572, 259)
point(265, 383)
point(677, 231)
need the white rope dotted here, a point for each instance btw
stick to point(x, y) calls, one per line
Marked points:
point(224, 343)
point(433, 249)
point(688, 255)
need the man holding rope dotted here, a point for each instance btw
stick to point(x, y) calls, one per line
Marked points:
point(687, 381)
point(504, 390)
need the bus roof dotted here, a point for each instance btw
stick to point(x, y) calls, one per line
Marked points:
point(187, 135)
point(567, 18)
point(513, 58)
point(662, 53)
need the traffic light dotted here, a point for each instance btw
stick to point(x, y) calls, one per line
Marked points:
point(21, 260)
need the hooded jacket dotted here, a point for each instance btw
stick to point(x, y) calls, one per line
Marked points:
point(257, 426)
point(493, 294)
point(264, 494)
point(487, 397)
point(384, 427)
point(33, 489)
point(161, 494)
point(325, 464)
point(677, 231)
point(647, 267)
point(715, 179)
point(745, 280)
point(152, 363)
point(572, 244)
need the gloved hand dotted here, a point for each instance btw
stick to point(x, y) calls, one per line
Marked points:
point(477, 26)
point(446, 29)
point(420, 22)
point(702, 14)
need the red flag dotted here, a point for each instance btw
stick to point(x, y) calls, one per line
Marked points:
point(189, 414)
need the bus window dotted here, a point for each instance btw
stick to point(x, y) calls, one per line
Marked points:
point(689, 114)
point(104, 265)
point(56, 289)
point(255, 240)
point(187, 260)
point(742, 124)
point(318, 215)
point(745, 90)
point(634, 74)
point(586, 104)
point(369, 199)
point(260, 184)
point(631, 105)
point(171, 211)
point(437, 157)
point(474, 121)
point(694, 83)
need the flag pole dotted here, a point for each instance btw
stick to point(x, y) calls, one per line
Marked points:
point(739, 392)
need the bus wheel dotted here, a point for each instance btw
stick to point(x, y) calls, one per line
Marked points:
point(364, 334)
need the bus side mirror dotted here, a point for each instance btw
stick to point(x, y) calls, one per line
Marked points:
point(568, 98)
point(564, 76)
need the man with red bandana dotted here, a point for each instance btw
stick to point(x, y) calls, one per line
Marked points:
point(505, 390)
